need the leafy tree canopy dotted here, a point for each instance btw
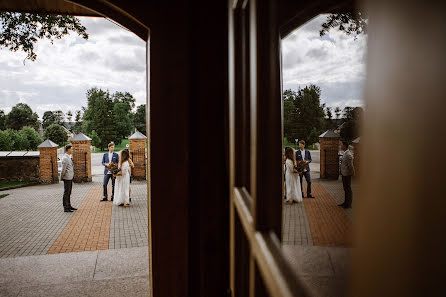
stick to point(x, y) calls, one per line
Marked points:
point(32, 136)
point(2, 120)
point(303, 114)
point(349, 23)
point(21, 31)
point(56, 134)
point(139, 120)
point(22, 115)
point(52, 117)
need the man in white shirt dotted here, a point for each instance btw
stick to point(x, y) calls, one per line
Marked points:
point(107, 160)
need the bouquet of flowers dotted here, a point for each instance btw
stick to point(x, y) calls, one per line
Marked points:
point(301, 165)
point(113, 167)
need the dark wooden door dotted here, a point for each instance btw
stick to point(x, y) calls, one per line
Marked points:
point(257, 265)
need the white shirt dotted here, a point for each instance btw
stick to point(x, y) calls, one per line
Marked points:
point(110, 156)
point(302, 153)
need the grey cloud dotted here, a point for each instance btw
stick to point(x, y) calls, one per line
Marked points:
point(318, 53)
point(128, 40)
point(89, 56)
point(131, 64)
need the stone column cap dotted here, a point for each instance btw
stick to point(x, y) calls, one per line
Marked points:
point(137, 135)
point(47, 143)
point(80, 137)
point(329, 134)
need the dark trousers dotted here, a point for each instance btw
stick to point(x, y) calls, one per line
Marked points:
point(347, 183)
point(308, 179)
point(67, 185)
point(105, 183)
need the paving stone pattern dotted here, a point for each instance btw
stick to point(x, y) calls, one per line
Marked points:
point(88, 229)
point(295, 225)
point(129, 225)
point(328, 223)
point(32, 218)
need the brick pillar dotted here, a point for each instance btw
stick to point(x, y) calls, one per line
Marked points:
point(81, 158)
point(48, 162)
point(138, 155)
point(329, 160)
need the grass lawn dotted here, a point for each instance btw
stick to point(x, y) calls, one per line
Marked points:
point(12, 184)
point(3, 195)
point(117, 147)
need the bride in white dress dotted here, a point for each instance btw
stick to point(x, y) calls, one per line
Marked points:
point(292, 180)
point(122, 183)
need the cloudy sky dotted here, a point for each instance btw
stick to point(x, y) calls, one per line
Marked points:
point(114, 59)
point(335, 63)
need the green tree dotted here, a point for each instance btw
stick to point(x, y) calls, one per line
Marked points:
point(22, 115)
point(32, 136)
point(337, 112)
point(95, 140)
point(52, 117)
point(69, 118)
point(56, 134)
point(19, 141)
point(21, 31)
point(306, 118)
point(98, 116)
point(349, 23)
point(139, 119)
point(123, 103)
point(77, 122)
point(2, 120)
point(352, 123)
point(6, 142)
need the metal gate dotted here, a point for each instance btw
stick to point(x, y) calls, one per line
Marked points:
point(138, 157)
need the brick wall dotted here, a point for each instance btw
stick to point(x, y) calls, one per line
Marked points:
point(138, 154)
point(82, 161)
point(329, 160)
point(48, 165)
point(25, 168)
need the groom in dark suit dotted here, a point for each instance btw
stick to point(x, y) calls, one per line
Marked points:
point(107, 160)
point(303, 154)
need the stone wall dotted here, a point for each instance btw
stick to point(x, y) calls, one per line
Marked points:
point(138, 155)
point(25, 168)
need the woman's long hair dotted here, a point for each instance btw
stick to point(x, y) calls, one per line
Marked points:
point(125, 155)
point(289, 153)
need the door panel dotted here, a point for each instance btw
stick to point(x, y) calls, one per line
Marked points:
point(258, 267)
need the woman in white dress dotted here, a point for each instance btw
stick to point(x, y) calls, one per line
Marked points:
point(122, 183)
point(293, 192)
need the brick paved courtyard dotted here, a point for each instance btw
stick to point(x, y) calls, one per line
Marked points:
point(32, 221)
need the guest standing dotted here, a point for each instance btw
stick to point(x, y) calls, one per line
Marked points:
point(347, 171)
point(304, 155)
point(293, 191)
point(107, 160)
point(67, 175)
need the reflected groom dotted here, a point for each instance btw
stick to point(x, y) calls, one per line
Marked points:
point(303, 154)
point(107, 160)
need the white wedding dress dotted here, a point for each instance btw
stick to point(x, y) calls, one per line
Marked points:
point(122, 185)
point(293, 191)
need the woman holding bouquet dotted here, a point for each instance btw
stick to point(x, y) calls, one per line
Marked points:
point(292, 179)
point(122, 191)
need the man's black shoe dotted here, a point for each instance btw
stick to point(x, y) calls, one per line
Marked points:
point(347, 206)
point(303, 195)
point(111, 199)
point(341, 205)
point(73, 208)
point(68, 210)
point(310, 196)
point(103, 199)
